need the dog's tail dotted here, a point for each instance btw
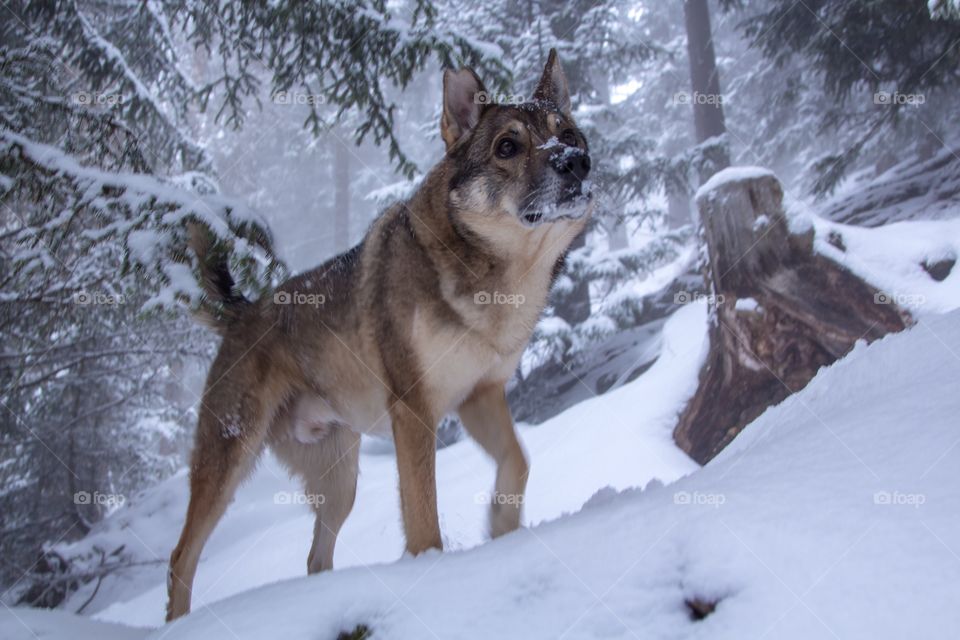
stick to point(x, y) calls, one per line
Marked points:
point(223, 304)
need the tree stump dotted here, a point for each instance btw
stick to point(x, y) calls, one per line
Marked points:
point(798, 310)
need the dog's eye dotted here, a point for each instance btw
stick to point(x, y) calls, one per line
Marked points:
point(568, 137)
point(507, 148)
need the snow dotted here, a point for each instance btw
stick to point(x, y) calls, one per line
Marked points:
point(143, 245)
point(32, 624)
point(657, 280)
point(944, 9)
point(550, 144)
point(731, 174)
point(834, 514)
point(626, 434)
point(891, 258)
point(829, 478)
point(181, 282)
point(914, 189)
point(151, 213)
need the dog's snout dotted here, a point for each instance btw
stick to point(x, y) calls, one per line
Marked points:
point(572, 161)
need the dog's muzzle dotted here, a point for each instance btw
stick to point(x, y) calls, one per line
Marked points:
point(572, 163)
point(565, 194)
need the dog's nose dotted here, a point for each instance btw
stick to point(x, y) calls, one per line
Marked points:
point(572, 161)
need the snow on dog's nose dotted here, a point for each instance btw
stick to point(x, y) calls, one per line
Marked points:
point(572, 162)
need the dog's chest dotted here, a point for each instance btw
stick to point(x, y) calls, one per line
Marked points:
point(484, 347)
point(453, 359)
point(494, 321)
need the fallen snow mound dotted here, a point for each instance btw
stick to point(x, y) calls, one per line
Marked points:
point(834, 514)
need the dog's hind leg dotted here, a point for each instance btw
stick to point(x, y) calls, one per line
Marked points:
point(331, 486)
point(234, 416)
point(311, 440)
point(486, 417)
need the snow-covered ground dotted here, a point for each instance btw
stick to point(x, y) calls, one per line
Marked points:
point(910, 190)
point(835, 514)
point(832, 515)
point(622, 440)
point(891, 258)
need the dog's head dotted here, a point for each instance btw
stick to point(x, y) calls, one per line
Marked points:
point(523, 163)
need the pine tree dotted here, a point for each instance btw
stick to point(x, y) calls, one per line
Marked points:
point(706, 98)
point(888, 74)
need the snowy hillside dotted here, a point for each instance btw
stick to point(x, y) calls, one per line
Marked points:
point(737, 389)
point(266, 533)
point(832, 515)
point(847, 494)
point(912, 190)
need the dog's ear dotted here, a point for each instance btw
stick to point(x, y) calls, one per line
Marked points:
point(553, 84)
point(463, 99)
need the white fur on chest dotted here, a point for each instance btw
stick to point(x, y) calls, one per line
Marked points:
point(454, 359)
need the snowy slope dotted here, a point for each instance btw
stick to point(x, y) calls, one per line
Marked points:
point(891, 258)
point(776, 534)
point(911, 190)
point(835, 514)
point(622, 439)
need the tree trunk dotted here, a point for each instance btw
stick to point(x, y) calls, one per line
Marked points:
point(799, 312)
point(706, 98)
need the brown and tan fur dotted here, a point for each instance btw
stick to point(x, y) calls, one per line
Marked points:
point(398, 338)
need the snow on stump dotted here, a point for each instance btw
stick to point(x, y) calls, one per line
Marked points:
point(779, 312)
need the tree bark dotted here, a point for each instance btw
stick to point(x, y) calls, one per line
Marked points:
point(706, 99)
point(809, 312)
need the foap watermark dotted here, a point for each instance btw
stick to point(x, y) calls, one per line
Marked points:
point(897, 98)
point(97, 297)
point(897, 498)
point(296, 497)
point(485, 97)
point(298, 297)
point(93, 99)
point(683, 97)
point(697, 498)
point(298, 97)
point(497, 498)
point(511, 299)
point(899, 299)
point(109, 500)
point(686, 297)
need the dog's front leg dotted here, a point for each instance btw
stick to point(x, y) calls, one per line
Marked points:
point(486, 416)
point(415, 437)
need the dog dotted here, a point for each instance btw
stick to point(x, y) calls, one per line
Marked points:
point(428, 315)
